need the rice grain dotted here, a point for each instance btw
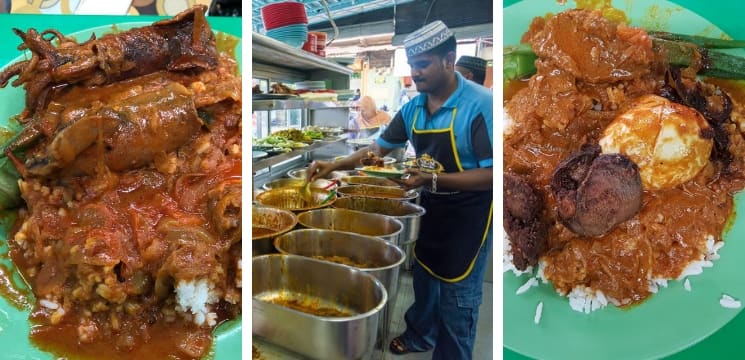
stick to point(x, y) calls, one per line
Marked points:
point(538, 313)
point(729, 302)
point(528, 284)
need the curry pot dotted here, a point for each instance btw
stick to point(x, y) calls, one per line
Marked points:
point(385, 258)
point(382, 226)
point(368, 180)
point(317, 337)
point(291, 198)
point(291, 182)
point(268, 223)
point(409, 214)
point(381, 192)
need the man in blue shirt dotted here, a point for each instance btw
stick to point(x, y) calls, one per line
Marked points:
point(472, 68)
point(450, 126)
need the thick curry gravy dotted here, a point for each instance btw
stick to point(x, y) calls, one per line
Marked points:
point(667, 234)
point(671, 229)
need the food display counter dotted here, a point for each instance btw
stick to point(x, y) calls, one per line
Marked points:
point(276, 62)
point(273, 114)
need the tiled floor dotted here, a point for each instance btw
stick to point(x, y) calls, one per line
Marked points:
point(483, 348)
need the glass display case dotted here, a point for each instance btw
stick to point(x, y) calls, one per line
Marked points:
point(275, 62)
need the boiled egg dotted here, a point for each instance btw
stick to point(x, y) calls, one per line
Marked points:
point(663, 138)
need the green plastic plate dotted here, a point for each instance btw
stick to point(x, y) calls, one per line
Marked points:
point(669, 321)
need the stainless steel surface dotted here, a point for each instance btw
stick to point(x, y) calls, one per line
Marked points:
point(280, 158)
point(270, 51)
point(280, 183)
point(298, 173)
point(368, 180)
point(316, 12)
point(255, 155)
point(339, 174)
point(291, 198)
point(380, 192)
point(258, 105)
point(277, 220)
point(317, 337)
point(383, 259)
point(408, 213)
point(384, 227)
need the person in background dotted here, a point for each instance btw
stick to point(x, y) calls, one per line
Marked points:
point(404, 97)
point(450, 126)
point(370, 116)
point(472, 68)
point(356, 95)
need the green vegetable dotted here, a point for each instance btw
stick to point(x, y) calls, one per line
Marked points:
point(722, 65)
point(519, 60)
point(10, 194)
point(313, 134)
point(701, 41)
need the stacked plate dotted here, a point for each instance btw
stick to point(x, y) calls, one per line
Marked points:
point(344, 94)
point(286, 22)
point(320, 43)
point(310, 85)
point(311, 43)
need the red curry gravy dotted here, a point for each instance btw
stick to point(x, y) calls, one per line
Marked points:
point(671, 229)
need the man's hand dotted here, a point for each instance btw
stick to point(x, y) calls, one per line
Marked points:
point(319, 170)
point(414, 179)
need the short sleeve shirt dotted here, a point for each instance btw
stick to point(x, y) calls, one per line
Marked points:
point(472, 104)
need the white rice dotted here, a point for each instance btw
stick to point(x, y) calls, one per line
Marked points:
point(655, 284)
point(540, 274)
point(538, 313)
point(712, 248)
point(585, 299)
point(239, 274)
point(507, 264)
point(194, 297)
point(711, 254)
point(729, 302)
point(49, 304)
point(507, 123)
point(528, 284)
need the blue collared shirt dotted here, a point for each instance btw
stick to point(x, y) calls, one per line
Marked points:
point(472, 126)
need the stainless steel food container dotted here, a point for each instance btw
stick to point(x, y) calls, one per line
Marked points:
point(337, 174)
point(291, 198)
point(386, 258)
point(273, 222)
point(290, 182)
point(368, 180)
point(317, 337)
point(374, 191)
point(382, 226)
point(297, 173)
point(408, 213)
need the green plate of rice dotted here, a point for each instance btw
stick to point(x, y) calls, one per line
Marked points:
point(669, 321)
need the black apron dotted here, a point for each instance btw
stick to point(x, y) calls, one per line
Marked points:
point(456, 224)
